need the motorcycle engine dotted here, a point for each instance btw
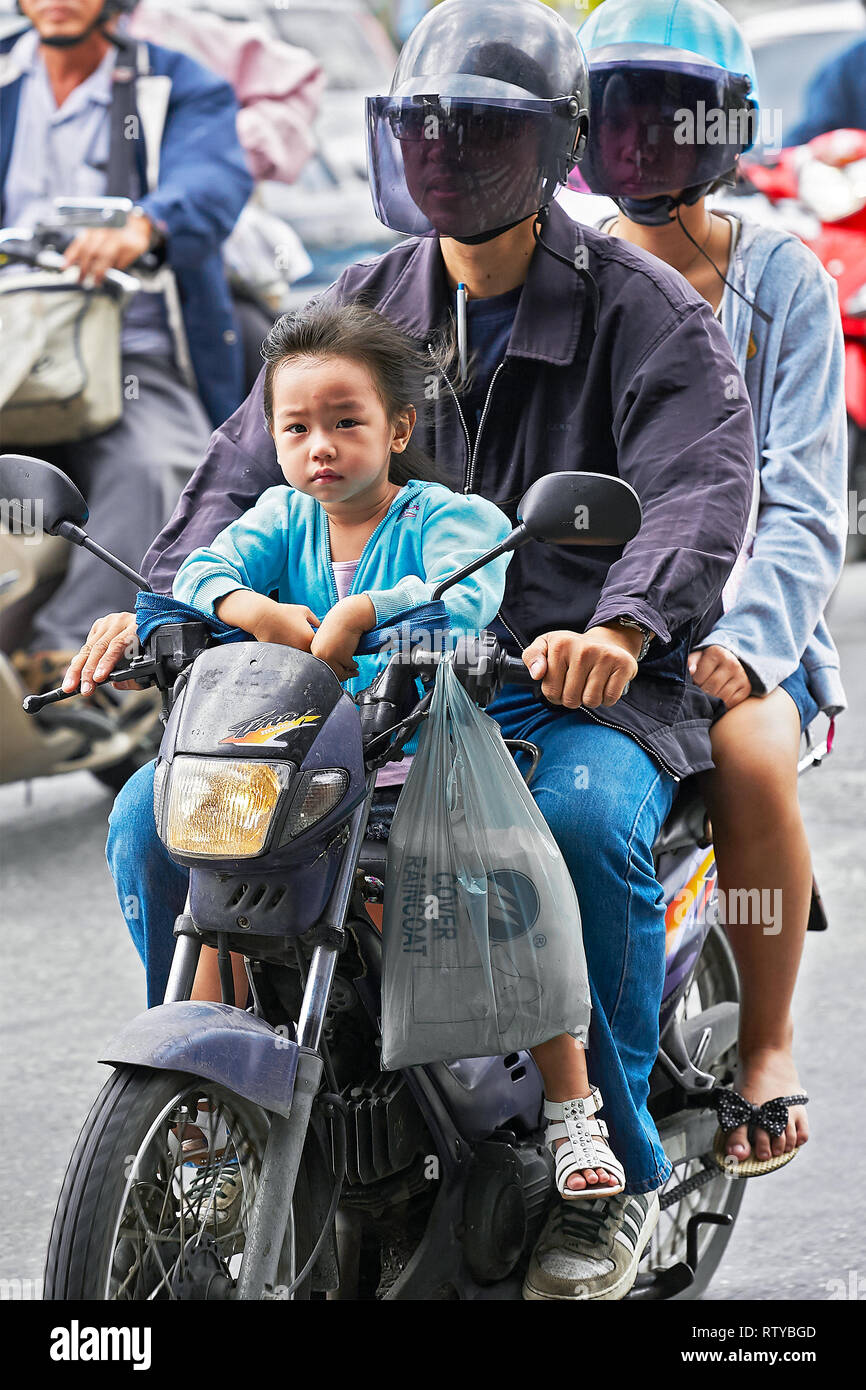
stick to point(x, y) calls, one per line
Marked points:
point(506, 1199)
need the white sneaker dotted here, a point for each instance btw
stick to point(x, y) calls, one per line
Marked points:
point(591, 1250)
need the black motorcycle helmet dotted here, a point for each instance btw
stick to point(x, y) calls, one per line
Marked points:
point(108, 11)
point(486, 116)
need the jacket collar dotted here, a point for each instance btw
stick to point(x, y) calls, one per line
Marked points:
point(550, 311)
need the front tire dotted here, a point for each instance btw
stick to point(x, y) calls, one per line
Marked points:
point(135, 1223)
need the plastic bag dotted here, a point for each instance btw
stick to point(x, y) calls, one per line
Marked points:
point(483, 950)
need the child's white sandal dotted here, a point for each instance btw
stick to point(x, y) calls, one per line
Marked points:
point(586, 1146)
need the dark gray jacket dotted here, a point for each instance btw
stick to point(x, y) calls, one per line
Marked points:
point(652, 394)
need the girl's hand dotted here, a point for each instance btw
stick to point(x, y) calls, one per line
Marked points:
point(287, 624)
point(340, 632)
point(718, 672)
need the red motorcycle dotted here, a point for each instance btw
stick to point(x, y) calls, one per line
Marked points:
point(819, 191)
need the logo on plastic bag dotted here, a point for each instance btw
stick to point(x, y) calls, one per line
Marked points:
point(513, 904)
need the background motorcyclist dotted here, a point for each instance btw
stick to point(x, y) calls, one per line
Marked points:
point(835, 98)
point(82, 116)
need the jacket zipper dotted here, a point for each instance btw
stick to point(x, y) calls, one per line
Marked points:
point(472, 454)
point(653, 752)
point(462, 420)
point(474, 457)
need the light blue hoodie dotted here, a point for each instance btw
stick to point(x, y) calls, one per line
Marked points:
point(794, 368)
point(428, 532)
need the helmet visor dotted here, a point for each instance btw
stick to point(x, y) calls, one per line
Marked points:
point(461, 167)
point(657, 130)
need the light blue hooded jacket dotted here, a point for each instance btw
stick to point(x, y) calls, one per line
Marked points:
point(428, 532)
point(794, 368)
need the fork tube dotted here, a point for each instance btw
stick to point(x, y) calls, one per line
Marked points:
point(315, 1001)
point(285, 1144)
point(272, 1207)
point(185, 960)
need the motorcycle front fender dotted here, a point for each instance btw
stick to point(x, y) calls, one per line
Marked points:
point(215, 1041)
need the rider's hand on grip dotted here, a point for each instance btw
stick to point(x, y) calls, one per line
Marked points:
point(112, 641)
point(583, 668)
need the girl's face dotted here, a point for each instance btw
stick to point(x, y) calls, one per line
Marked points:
point(331, 430)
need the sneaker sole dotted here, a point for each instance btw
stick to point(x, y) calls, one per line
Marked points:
point(616, 1291)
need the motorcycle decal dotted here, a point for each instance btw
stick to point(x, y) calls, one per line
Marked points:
point(267, 728)
point(688, 906)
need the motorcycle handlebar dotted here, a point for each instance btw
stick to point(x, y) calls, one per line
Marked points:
point(18, 245)
point(508, 670)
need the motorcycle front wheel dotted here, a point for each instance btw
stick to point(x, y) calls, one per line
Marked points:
point(140, 1218)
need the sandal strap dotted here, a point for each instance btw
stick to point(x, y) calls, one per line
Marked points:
point(734, 1110)
point(587, 1105)
point(586, 1145)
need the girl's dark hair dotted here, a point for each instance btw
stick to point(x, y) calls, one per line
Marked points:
point(401, 373)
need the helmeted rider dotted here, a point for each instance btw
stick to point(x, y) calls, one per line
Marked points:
point(581, 354)
point(84, 112)
point(663, 70)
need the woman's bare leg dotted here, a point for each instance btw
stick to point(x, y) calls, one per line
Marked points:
point(207, 977)
point(760, 843)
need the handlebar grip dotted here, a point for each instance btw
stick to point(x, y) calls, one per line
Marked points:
point(32, 704)
point(514, 672)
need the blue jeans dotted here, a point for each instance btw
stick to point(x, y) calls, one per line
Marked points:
point(605, 801)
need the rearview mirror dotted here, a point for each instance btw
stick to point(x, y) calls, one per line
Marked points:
point(580, 509)
point(39, 485)
point(92, 212)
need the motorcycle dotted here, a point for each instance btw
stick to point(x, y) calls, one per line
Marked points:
point(318, 1175)
point(113, 738)
point(818, 191)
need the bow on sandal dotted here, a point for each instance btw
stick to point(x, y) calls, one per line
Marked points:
point(734, 1110)
point(586, 1146)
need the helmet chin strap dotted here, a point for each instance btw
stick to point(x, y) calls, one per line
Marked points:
point(657, 212)
point(487, 236)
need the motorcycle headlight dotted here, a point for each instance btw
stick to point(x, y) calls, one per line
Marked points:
point(222, 807)
point(317, 794)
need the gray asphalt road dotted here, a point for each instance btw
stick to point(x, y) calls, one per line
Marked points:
point(70, 979)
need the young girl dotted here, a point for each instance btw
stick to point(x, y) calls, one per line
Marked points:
point(356, 538)
point(769, 656)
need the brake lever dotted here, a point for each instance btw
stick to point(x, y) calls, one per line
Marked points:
point(147, 666)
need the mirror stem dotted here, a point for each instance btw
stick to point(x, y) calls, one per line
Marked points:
point(70, 532)
point(511, 542)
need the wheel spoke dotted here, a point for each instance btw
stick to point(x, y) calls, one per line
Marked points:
point(169, 1220)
